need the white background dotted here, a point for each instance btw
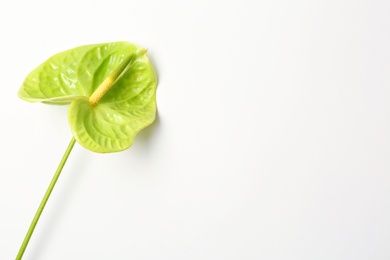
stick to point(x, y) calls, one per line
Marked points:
point(272, 139)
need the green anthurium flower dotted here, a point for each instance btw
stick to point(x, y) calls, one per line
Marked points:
point(111, 89)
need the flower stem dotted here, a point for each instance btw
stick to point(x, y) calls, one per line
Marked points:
point(44, 200)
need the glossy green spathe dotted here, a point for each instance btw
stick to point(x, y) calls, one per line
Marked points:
point(73, 76)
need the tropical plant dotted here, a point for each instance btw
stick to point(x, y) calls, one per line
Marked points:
point(111, 92)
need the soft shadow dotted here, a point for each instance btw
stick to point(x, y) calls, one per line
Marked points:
point(145, 137)
point(156, 71)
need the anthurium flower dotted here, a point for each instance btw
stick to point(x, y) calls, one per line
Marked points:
point(111, 89)
point(111, 92)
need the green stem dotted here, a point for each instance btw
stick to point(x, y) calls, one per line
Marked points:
point(44, 200)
